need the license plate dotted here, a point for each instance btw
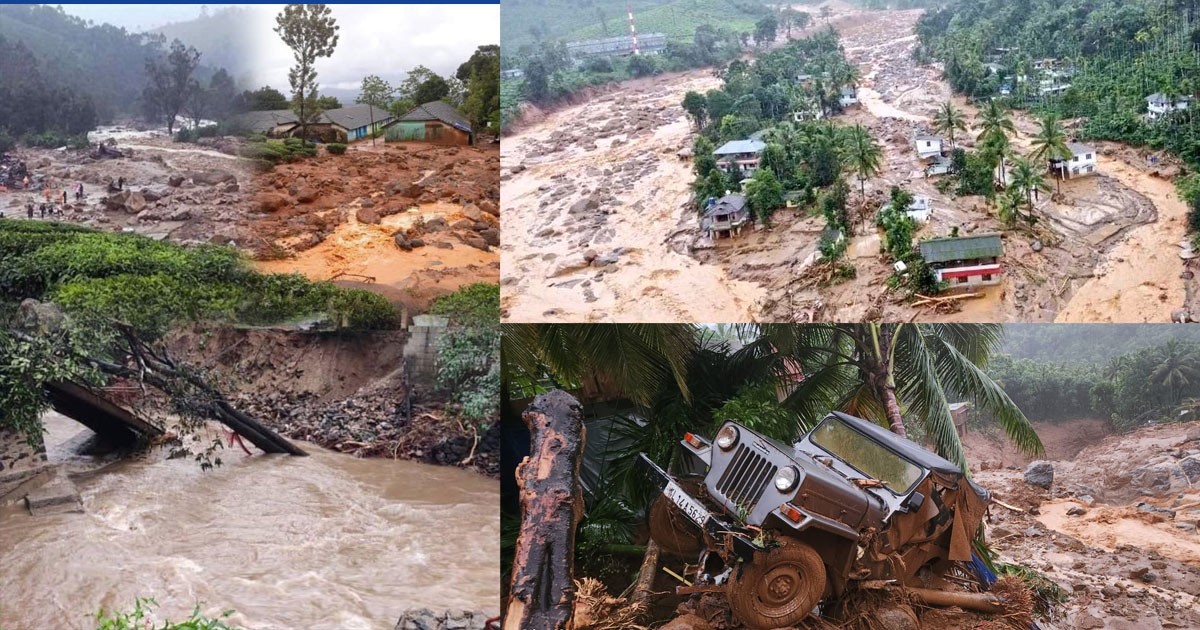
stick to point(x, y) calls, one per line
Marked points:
point(692, 508)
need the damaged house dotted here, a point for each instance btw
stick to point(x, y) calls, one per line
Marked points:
point(967, 261)
point(725, 217)
point(1082, 162)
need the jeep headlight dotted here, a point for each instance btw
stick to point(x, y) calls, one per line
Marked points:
point(727, 437)
point(786, 478)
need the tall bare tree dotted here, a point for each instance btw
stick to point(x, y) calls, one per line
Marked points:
point(312, 33)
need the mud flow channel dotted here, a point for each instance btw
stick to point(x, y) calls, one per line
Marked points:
point(321, 542)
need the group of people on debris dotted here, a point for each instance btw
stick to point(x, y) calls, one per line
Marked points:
point(54, 201)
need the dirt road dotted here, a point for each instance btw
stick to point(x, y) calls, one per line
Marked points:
point(598, 192)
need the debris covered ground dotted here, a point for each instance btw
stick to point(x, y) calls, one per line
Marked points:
point(411, 221)
point(349, 395)
point(611, 232)
point(1115, 529)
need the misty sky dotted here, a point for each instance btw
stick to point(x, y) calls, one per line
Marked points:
point(386, 40)
point(138, 17)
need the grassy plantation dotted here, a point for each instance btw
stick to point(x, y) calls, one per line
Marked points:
point(152, 285)
point(527, 22)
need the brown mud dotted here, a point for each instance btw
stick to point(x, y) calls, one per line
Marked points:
point(603, 201)
point(1127, 556)
point(338, 217)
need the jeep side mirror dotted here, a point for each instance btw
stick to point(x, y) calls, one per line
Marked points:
point(914, 502)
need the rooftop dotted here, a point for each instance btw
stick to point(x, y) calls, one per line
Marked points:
point(963, 248)
point(438, 110)
point(355, 116)
point(740, 146)
point(1080, 149)
point(728, 204)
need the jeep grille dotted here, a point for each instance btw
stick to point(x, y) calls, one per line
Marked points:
point(746, 478)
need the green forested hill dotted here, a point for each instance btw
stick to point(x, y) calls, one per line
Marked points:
point(102, 61)
point(1112, 54)
point(1089, 343)
point(529, 22)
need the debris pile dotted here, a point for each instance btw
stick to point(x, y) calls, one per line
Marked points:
point(13, 171)
point(375, 424)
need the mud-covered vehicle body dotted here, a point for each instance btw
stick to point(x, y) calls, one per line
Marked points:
point(781, 527)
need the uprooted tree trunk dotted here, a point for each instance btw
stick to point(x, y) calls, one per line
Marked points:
point(644, 587)
point(159, 370)
point(543, 588)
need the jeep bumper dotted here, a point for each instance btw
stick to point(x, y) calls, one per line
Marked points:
point(713, 526)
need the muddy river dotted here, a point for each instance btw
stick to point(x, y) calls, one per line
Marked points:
point(326, 541)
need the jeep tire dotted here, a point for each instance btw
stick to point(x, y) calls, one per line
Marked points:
point(779, 587)
point(672, 530)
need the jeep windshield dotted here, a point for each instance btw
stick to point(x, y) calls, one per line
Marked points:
point(865, 455)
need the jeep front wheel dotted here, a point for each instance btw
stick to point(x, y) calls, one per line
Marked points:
point(779, 587)
point(673, 532)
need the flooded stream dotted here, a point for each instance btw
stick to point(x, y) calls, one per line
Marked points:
point(326, 541)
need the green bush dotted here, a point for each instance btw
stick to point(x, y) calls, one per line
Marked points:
point(137, 619)
point(336, 148)
point(153, 285)
point(474, 303)
point(7, 142)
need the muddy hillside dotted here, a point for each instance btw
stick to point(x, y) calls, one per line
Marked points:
point(411, 221)
point(357, 395)
point(605, 192)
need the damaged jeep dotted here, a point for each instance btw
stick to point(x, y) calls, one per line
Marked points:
point(780, 528)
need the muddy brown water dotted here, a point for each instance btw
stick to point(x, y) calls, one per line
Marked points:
point(320, 542)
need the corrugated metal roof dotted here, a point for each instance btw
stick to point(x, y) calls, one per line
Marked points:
point(729, 204)
point(438, 110)
point(355, 116)
point(964, 248)
point(740, 146)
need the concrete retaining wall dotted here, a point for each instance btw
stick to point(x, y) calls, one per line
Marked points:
point(420, 353)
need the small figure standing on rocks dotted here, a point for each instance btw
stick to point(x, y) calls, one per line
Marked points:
point(121, 183)
point(79, 192)
point(29, 210)
point(43, 210)
point(64, 196)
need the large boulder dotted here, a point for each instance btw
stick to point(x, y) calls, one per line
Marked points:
point(212, 177)
point(33, 316)
point(1040, 474)
point(270, 202)
point(135, 203)
point(367, 215)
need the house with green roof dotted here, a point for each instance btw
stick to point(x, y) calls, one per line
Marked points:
point(967, 261)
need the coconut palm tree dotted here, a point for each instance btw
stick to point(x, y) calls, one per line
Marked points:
point(947, 120)
point(1178, 367)
point(639, 359)
point(862, 156)
point(995, 122)
point(892, 372)
point(1026, 181)
point(1050, 142)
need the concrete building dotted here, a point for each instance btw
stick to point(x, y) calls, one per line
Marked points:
point(1159, 104)
point(1081, 164)
point(744, 153)
point(927, 146)
point(437, 122)
point(965, 262)
point(647, 43)
point(725, 216)
point(848, 96)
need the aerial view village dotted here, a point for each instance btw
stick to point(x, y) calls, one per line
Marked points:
point(248, 323)
point(838, 162)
